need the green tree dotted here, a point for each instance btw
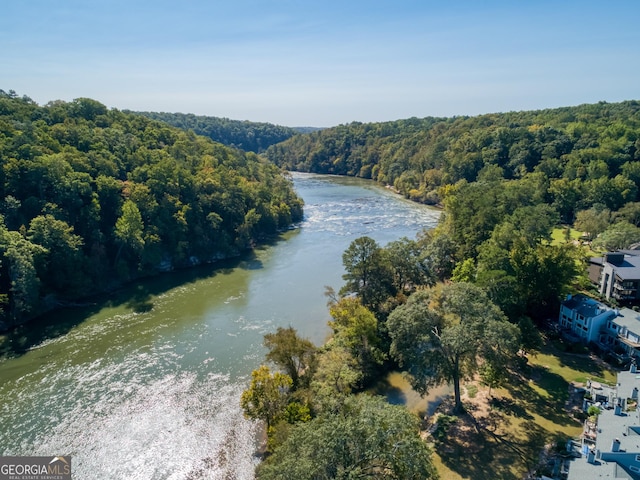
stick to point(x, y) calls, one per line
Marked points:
point(367, 272)
point(405, 259)
point(630, 212)
point(336, 377)
point(441, 334)
point(465, 271)
point(295, 355)
point(368, 439)
point(356, 328)
point(543, 275)
point(129, 228)
point(21, 257)
point(64, 270)
point(618, 236)
point(534, 223)
point(439, 252)
point(503, 290)
point(592, 221)
point(267, 397)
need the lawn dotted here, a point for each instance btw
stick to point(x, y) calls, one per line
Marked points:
point(559, 237)
point(502, 436)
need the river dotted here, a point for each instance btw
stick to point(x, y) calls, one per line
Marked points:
point(145, 384)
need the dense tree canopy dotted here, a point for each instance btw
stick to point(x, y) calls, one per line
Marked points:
point(505, 181)
point(463, 299)
point(248, 136)
point(586, 154)
point(367, 439)
point(90, 197)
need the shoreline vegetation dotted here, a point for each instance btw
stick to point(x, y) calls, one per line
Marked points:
point(506, 430)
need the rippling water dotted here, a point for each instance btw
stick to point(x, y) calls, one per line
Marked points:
point(155, 394)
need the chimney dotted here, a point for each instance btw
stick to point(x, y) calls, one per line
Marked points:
point(615, 445)
point(616, 258)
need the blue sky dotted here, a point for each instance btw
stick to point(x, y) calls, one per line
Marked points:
point(322, 63)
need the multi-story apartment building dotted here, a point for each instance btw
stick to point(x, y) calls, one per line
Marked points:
point(617, 275)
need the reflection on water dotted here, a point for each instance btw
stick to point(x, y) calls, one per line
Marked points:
point(146, 382)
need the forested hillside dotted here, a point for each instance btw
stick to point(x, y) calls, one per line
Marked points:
point(505, 181)
point(91, 197)
point(587, 153)
point(245, 135)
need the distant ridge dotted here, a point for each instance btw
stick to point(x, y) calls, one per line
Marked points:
point(249, 136)
point(586, 151)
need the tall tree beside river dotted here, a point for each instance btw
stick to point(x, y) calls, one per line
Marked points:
point(443, 334)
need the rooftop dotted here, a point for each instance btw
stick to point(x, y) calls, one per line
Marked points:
point(585, 306)
point(628, 268)
point(611, 427)
point(629, 319)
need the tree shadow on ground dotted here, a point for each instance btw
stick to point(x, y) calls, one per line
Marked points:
point(547, 400)
point(510, 407)
point(472, 451)
point(505, 438)
point(492, 446)
point(585, 363)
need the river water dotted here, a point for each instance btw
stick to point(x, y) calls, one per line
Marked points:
point(145, 384)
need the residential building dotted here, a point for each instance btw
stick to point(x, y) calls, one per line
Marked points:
point(584, 317)
point(617, 275)
point(609, 446)
point(589, 321)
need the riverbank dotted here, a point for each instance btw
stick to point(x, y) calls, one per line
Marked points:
point(116, 287)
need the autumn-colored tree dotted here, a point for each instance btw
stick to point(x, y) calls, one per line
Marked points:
point(267, 396)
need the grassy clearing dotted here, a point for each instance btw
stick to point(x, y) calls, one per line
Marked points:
point(559, 237)
point(573, 367)
point(502, 436)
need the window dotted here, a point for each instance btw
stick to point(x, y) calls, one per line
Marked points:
point(634, 469)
